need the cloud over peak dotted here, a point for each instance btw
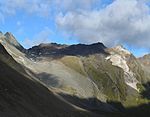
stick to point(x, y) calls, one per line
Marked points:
point(122, 21)
point(109, 21)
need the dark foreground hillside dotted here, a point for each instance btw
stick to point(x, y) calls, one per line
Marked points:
point(23, 97)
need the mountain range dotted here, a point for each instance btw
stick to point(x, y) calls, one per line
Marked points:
point(58, 80)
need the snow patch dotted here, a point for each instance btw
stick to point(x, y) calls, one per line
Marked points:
point(119, 61)
point(131, 80)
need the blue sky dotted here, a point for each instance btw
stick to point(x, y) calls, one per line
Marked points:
point(113, 22)
point(25, 26)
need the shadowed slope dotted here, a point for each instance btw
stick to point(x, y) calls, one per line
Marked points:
point(22, 97)
point(64, 50)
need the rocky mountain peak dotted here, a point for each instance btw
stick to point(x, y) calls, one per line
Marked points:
point(84, 49)
point(119, 50)
point(145, 60)
point(12, 40)
point(9, 34)
point(146, 56)
point(1, 32)
point(62, 49)
point(49, 45)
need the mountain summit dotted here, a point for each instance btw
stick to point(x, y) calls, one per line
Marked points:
point(71, 80)
point(62, 50)
point(11, 39)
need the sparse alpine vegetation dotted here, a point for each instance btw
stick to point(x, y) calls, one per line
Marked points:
point(51, 80)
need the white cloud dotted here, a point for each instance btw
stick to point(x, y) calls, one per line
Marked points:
point(41, 37)
point(123, 21)
point(72, 5)
point(45, 8)
point(39, 7)
point(18, 23)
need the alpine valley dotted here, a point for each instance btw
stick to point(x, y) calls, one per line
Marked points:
point(56, 80)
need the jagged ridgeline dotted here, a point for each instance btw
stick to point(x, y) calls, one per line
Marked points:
point(71, 80)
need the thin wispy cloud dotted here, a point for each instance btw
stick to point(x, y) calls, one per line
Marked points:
point(42, 37)
point(76, 5)
point(39, 7)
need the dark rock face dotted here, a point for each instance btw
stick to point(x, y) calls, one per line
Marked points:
point(45, 49)
point(83, 50)
point(62, 50)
